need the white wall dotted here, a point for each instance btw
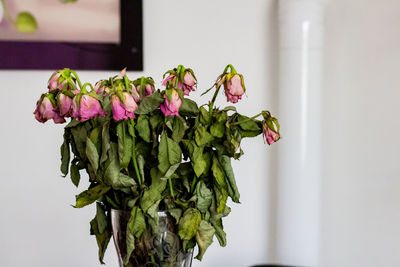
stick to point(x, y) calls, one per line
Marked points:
point(38, 227)
point(360, 199)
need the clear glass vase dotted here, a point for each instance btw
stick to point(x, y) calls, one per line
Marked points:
point(163, 249)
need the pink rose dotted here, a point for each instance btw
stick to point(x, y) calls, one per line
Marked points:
point(149, 89)
point(234, 87)
point(187, 85)
point(101, 89)
point(53, 84)
point(88, 108)
point(171, 108)
point(45, 111)
point(64, 105)
point(123, 111)
point(271, 130)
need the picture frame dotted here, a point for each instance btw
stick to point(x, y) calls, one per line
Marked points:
point(49, 55)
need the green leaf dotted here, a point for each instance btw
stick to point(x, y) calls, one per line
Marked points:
point(219, 232)
point(196, 157)
point(204, 238)
point(205, 117)
point(250, 125)
point(143, 128)
point(79, 134)
point(170, 171)
point(101, 218)
point(92, 154)
point(124, 145)
point(150, 103)
point(198, 162)
point(136, 227)
point(221, 196)
point(65, 156)
point(218, 173)
point(189, 224)
point(169, 153)
point(233, 191)
point(102, 238)
point(153, 194)
point(91, 195)
point(175, 213)
point(113, 177)
point(154, 220)
point(188, 107)
point(202, 137)
point(218, 129)
point(73, 123)
point(141, 162)
point(204, 196)
point(178, 129)
point(105, 133)
point(75, 175)
point(26, 22)
point(155, 120)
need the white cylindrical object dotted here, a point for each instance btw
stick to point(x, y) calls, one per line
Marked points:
point(299, 162)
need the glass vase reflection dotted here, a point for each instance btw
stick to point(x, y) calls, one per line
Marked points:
point(162, 249)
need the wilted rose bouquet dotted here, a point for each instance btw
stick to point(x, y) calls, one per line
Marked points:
point(147, 150)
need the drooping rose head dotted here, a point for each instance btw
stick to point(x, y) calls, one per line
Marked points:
point(64, 104)
point(46, 110)
point(57, 82)
point(171, 108)
point(87, 108)
point(122, 111)
point(143, 87)
point(234, 87)
point(186, 85)
point(271, 130)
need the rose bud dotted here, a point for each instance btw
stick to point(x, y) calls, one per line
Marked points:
point(171, 108)
point(149, 89)
point(187, 85)
point(64, 105)
point(45, 111)
point(234, 87)
point(143, 87)
point(271, 130)
point(54, 84)
point(122, 110)
point(101, 89)
point(135, 92)
point(87, 108)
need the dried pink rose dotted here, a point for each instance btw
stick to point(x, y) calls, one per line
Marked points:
point(171, 108)
point(122, 110)
point(46, 111)
point(88, 108)
point(234, 87)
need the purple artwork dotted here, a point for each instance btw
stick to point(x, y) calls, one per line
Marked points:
point(93, 35)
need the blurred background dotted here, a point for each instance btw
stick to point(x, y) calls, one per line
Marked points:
point(358, 216)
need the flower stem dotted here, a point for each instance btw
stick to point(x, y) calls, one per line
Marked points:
point(211, 106)
point(77, 78)
point(171, 189)
point(134, 152)
point(248, 119)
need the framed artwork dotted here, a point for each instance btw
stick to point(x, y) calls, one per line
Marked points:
point(85, 35)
